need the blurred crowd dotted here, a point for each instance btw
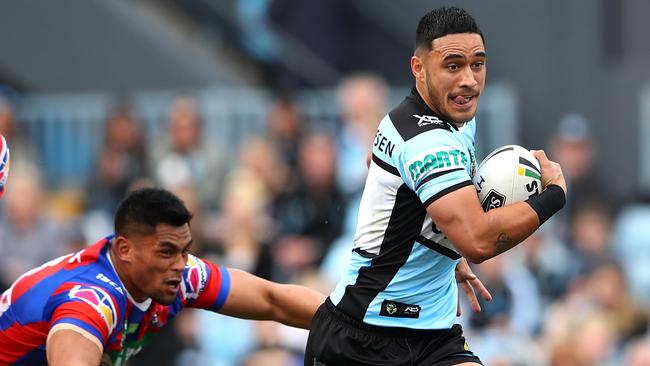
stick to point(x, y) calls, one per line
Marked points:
point(576, 293)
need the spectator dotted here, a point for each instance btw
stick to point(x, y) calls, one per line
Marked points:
point(17, 138)
point(362, 99)
point(631, 243)
point(310, 216)
point(122, 160)
point(591, 233)
point(184, 158)
point(28, 237)
point(574, 148)
point(285, 127)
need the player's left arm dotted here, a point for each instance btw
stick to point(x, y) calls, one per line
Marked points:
point(252, 297)
point(71, 347)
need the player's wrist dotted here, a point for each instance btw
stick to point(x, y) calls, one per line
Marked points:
point(547, 203)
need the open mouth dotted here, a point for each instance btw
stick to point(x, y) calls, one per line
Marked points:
point(173, 284)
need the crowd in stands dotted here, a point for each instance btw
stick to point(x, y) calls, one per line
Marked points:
point(576, 293)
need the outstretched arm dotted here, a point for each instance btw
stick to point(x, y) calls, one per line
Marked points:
point(252, 297)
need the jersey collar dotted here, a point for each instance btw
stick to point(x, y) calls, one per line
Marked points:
point(415, 95)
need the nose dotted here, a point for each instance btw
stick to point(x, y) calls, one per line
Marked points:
point(179, 263)
point(468, 78)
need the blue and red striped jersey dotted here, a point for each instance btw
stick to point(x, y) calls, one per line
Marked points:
point(83, 289)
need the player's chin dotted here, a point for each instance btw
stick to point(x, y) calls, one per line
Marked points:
point(166, 296)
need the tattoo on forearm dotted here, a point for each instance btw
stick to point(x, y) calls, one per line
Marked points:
point(503, 243)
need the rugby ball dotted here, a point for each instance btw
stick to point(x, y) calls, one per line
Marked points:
point(4, 164)
point(507, 175)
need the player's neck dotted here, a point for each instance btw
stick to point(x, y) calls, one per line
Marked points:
point(123, 274)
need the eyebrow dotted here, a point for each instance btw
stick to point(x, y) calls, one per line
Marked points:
point(168, 244)
point(453, 56)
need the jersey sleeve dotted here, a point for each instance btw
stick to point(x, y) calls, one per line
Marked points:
point(205, 284)
point(434, 164)
point(88, 307)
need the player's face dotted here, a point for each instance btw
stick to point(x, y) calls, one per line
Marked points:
point(159, 262)
point(454, 75)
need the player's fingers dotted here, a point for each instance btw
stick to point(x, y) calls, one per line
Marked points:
point(482, 290)
point(459, 310)
point(540, 155)
point(471, 296)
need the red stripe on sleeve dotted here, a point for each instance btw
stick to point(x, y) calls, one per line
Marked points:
point(209, 294)
point(86, 314)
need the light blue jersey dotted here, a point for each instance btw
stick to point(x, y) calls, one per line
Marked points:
point(402, 269)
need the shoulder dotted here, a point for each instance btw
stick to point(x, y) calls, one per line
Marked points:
point(412, 118)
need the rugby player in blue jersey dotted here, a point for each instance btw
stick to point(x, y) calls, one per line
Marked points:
point(420, 215)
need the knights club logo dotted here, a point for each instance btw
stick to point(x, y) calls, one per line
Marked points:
point(492, 200)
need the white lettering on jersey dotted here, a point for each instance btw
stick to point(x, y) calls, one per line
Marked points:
point(425, 120)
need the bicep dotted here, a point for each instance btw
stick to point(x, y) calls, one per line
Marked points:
point(480, 235)
point(460, 216)
point(72, 345)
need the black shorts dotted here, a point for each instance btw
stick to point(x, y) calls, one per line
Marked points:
point(336, 339)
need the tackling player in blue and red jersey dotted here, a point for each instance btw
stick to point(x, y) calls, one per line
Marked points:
point(102, 304)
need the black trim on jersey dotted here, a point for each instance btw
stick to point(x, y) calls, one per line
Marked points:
point(364, 253)
point(445, 191)
point(407, 125)
point(527, 163)
point(437, 247)
point(403, 227)
point(384, 165)
point(434, 176)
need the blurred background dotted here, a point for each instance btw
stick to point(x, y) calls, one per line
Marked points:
point(259, 113)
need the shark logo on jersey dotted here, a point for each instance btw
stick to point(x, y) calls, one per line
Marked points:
point(425, 120)
point(99, 300)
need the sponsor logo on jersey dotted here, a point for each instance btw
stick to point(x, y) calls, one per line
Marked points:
point(196, 277)
point(102, 277)
point(425, 120)
point(397, 309)
point(383, 144)
point(436, 160)
point(99, 300)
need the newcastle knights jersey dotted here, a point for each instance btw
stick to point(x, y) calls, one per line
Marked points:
point(402, 269)
point(82, 290)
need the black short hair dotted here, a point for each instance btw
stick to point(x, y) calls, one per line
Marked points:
point(143, 209)
point(441, 22)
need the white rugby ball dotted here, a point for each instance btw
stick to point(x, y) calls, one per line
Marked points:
point(507, 175)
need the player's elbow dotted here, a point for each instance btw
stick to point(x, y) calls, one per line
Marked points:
point(476, 252)
point(477, 256)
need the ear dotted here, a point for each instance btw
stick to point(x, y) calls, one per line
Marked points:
point(417, 67)
point(123, 249)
